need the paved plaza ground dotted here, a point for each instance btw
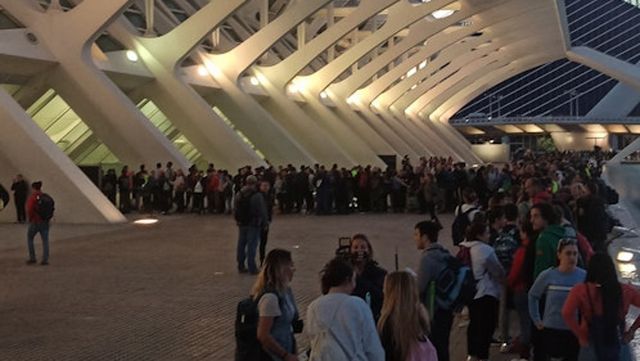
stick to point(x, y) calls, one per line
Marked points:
point(167, 291)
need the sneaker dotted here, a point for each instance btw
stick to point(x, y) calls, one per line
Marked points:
point(44, 263)
point(31, 261)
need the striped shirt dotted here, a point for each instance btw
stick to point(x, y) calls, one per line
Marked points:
point(556, 286)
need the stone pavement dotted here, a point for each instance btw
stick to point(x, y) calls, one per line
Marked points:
point(167, 291)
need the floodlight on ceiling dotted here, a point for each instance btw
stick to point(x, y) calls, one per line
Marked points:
point(353, 99)
point(254, 81)
point(202, 71)
point(132, 56)
point(441, 14)
point(324, 95)
point(293, 88)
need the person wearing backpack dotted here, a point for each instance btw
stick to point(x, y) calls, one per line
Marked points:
point(483, 310)
point(404, 323)
point(434, 261)
point(251, 216)
point(277, 311)
point(595, 312)
point(464, 215)
point(40, 207)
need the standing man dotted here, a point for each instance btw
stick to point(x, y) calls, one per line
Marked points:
point(251, 216)
point(265, 191)
point(20, 190)
point(434, 261)
point(40, 207)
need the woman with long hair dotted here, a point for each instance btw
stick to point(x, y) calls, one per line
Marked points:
point(555, 338)
point(369, 275)
point(276, 306)
point(602, 303)
point(404, 322)
point(340, 326)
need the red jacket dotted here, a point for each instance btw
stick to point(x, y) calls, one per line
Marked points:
point(578, 303)
point(32, 204)
point(515, 279)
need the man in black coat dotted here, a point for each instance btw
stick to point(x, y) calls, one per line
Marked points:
point(20, 192)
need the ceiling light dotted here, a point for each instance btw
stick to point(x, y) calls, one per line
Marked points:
point(132, 56)
point(324, 95)
point(441, 14)
point(202, 71)
point(254, 81)
point(293, 88)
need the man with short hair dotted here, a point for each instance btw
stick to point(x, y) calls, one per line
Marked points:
point(37, 224)
point(251, 216)
point(432, 263)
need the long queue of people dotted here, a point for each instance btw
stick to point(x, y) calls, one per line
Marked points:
point(534, 246)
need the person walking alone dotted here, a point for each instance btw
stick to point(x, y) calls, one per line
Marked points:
point(39, 211)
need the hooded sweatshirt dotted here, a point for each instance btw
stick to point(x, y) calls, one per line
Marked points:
point(546, 248)
point(487, 269)
point(341, 328)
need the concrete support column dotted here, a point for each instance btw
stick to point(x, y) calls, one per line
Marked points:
point(264, 13)
point(331, 52)
point(302, 35)
point(149, 10)
point(101, 105)
point(77, 198)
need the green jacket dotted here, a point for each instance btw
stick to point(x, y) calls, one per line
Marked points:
point(546, 248)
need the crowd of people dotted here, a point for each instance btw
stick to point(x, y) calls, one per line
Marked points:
point(533, 238)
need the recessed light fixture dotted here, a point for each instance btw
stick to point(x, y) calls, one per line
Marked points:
point(132, 56)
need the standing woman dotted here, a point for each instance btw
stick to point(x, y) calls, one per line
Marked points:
point(483, 311)
point(404, 322)
point(276, 306)
point(369, 275)
point(602, 303)
point(556, 339)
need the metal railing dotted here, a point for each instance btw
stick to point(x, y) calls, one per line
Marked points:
point(489, 121)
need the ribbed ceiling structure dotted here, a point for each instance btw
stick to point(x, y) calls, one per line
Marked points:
point(246, 82)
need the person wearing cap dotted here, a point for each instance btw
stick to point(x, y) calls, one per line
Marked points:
point(37, 225)
point(251, 216)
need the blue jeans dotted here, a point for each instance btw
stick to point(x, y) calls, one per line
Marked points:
point(248, 239)
point(43, 229)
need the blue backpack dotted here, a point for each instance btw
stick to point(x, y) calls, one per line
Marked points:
point(454, 288)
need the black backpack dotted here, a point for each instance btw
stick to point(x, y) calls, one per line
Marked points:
point(242, 212)
point(4, 196)
point(248, 348)
point(460, 224)
point(45, 206)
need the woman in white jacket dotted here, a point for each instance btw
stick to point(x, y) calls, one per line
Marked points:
point(488, 272)
point(341, 326)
